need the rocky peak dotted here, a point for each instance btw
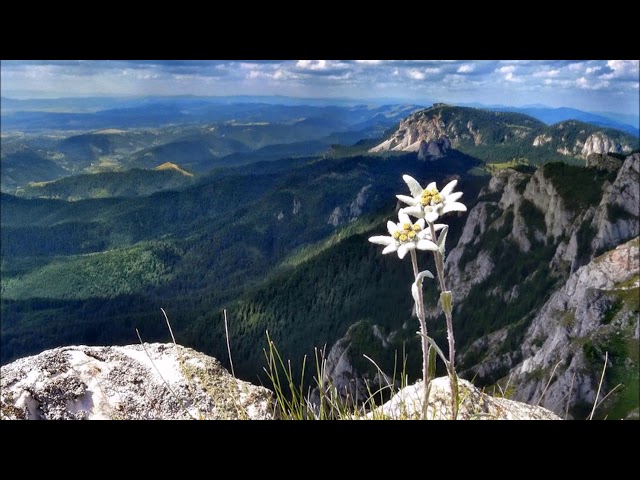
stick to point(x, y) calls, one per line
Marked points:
point(412, 132)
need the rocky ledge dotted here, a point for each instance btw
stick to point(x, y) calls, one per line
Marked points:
point(154, 381)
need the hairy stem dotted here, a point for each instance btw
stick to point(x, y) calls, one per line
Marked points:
point(423, 330)
point(439, 261)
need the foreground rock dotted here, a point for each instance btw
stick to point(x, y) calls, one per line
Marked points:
point(474, 405)
point(163, 382)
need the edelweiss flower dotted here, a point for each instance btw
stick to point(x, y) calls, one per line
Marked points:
point(429, 203)
point(405, 236)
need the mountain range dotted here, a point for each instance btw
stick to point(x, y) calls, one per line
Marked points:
point(270, 219)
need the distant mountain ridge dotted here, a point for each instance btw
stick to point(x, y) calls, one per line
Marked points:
point(485, 133)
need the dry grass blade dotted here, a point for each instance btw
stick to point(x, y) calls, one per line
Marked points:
point(226, 331)
point(604, 368)
point(548, 383)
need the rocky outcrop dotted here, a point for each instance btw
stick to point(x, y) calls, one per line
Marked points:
point(541, 140)
point(434, 149)
point(351, 211)
point(411, 133)
point(558, 345)
point(601, 143)
point(340, 373)
point(474, 405)
point(157, 381)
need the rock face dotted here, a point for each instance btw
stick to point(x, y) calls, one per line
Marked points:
point(412, 132)
point(616, 218)
point(434, 149)
point(575, 316)
point(475, 405)
point(589, 311)
point(163, 382)
point(351, 383)
point(602, 144)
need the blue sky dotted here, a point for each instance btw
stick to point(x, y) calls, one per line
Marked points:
point(593, 85)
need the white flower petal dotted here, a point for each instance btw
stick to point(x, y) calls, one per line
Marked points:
point(427, 245)
point(403, 217)
point(439, 226)
point(448, 188)
point(408, 200)
point(382, 240)
point(390, 248)
point(391, 227)
point(417, 211)
point(431, 186)
point(452, 197)
point(454, 207)
point(414, 186)
point(431, 216)
point(404, 248)
point(421, 223)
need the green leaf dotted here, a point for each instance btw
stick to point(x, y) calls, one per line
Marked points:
point(432, 362)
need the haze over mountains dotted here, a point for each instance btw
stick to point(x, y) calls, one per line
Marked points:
point(263, 206)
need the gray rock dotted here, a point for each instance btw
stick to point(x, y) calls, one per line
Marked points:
point(171, 382)
point(474, 405)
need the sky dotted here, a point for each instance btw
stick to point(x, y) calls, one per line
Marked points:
point(591, 85)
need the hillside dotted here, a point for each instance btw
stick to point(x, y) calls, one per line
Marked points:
point(504, 136)
point(178, 247)
point(130, 183)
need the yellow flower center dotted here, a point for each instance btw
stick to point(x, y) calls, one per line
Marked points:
point(396, 235)
point(430, 197)
point(403, 237)
point(416, 227)
point(411, 234)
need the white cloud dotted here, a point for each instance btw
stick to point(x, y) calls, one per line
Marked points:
point(628, 69)
point(369, 62)
point(576, 67)
point(466, 68)
point(582, 82)
point(416, 74)
point(312, 64)
point(547, 73)
point(507, 69)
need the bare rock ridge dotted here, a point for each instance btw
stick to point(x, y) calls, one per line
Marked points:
point(159, 381)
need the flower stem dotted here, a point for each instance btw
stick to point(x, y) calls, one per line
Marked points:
point(423, 329)
point(439, 261)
